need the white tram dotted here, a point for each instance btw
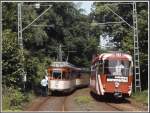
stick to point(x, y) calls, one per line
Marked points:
point(63, 76)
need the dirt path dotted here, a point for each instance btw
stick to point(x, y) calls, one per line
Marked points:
point(82, 100)
point(97, 103)
point(50, 103)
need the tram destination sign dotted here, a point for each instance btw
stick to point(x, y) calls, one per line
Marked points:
point(117, 79)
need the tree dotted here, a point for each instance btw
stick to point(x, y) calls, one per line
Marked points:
point(11, 60)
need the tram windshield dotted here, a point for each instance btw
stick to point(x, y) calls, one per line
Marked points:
point(116, 67)
point(57, 74)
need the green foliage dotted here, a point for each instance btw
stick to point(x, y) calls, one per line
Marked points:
point(141, 96)
point(83, 100)
point(35, 68)
point(13, 99)
point(11, 59)
point(9, 16)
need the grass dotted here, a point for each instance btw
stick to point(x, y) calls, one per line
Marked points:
point(12, 110)
point(83, 99)
point(141, 96)
point(14, 100)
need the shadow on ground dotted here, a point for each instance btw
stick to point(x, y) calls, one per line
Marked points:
point(109, 99)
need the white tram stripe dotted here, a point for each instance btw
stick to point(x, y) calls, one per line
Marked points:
point(100, 85)
point(97, 84)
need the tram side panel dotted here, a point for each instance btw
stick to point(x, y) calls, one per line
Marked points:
point(82, 80)
point(61, 85)
point(93, 79)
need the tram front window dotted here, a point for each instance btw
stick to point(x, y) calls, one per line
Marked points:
point(116, 67)
point(57, 74)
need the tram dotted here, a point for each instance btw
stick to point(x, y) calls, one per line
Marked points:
point(112, 73)
point(63, 76)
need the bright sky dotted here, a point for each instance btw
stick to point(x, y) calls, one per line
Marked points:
point(86, 5)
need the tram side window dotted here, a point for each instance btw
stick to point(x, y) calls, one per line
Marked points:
point(100, 67)
point(72, 75)
point(78, 75)
point(130, 68)
point(67, 75)
point(93, 70)
point(64, 76)
point(106, 68)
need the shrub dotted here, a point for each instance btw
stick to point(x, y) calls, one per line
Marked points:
point(141, 96)
point(13, 99)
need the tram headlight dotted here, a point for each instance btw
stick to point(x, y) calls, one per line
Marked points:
point(129, 88)
point(117, 84)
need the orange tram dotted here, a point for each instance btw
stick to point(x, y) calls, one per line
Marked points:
point(112, 73)
point(65, 77)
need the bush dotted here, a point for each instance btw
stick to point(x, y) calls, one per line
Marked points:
point(141, 96)
point(13, 99)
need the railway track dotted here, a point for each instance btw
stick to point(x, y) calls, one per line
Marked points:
point(54, 104)
point(50, 103)
point(64, 105)
point(66, 102)
point(36, 104)
point(114, 107)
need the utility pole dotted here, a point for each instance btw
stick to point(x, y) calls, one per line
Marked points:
point(20, 43)
point(60, 53)
point(1, 53)
point(136, 51)
point(20, 39)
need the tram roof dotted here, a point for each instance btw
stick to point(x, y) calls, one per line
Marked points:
point(109, 55)
point(64, 64)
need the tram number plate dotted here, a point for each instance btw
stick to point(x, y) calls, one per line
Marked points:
point(117, 78)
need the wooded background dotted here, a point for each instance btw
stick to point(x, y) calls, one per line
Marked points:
point(71, 28)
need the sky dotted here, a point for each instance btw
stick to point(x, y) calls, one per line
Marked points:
point(86, 5)
point(104, 40)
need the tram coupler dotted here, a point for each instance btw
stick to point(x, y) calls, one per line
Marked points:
point(118, 94)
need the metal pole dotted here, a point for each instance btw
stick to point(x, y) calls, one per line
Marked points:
point(111, 23)
point(136, 51)
point(20, 39)
point(119, 17)
point(20, 43)
point(36, 18)
point(136, 45)
point(60, 53)
point(1, 53)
